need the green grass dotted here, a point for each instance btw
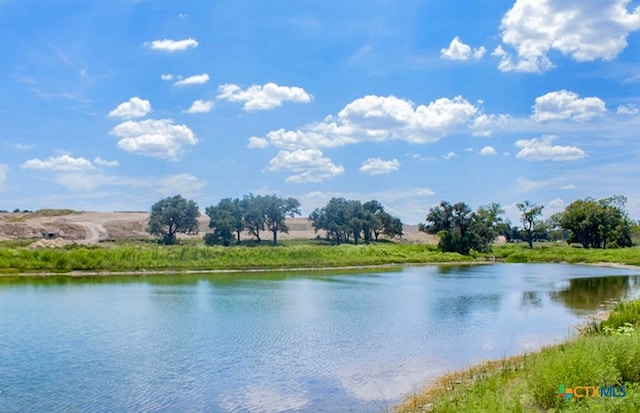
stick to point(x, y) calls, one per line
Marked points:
point(153, 257)
point(553, 252)
point(528, 383)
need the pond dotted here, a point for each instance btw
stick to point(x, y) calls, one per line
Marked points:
point(277, 342)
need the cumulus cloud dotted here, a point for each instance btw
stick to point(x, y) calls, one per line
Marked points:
point(484, 125)
point(200, 106)
point(257, 143)
point(457, 50)
point(542, 149)
point(376, 166)
point(159, 138)
point(585, 30)
point(488, 150)
point(307, 165)
point(168, 45)
point(59, 163)
point(133, 108)
point(103, 162)
point(449, 155)
point(564, 104)
point(193, 80)
point(264, 97)
point(628, 109)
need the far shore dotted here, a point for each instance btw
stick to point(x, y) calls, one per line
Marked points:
point(142, 273)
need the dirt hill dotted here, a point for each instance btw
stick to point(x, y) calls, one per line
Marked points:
point(94, 227)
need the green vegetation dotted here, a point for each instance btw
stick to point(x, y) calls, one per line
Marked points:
point(344, 220)
point(597, 224)
point(254, 213)
point(560, 252)
point(153, 257)
point(461, 230)
point(173, 215)
point(606, 356)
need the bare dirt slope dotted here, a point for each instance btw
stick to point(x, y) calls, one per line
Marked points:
point(94, 227)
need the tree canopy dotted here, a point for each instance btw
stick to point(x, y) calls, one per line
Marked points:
point(253, 213)
point(462, 230)
point(530, 219)
point(344, 220)
point(173, 215)
point(597, 224)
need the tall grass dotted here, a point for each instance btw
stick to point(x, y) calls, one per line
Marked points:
point(553, 252)
point(529, 383)
point(152, 257)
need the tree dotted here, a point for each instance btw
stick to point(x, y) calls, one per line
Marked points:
point(597, 224)
point(529, 218)
point(253, 215)
point(173, 215)
point(276, 210)
point(343, 219)
point(462, 230)
point(226, 219)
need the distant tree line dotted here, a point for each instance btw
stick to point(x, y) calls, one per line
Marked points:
point(589, 222)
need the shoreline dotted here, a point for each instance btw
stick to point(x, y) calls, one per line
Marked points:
point(80, 274)
point(88, 274)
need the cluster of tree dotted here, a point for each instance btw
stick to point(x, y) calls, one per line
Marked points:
point(345, 220)
point(252, 213)
point(171, 216)
point(596, 223)
point(461, 229)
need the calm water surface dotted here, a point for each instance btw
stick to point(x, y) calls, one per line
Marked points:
point(278, 342)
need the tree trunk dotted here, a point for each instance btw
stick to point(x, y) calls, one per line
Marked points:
point(275, 237)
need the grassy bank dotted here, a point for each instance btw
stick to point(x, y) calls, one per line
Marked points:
point(17, 259)
point(554, 252)
point(606, 354)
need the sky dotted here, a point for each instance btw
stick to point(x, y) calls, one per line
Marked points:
point(114, 105)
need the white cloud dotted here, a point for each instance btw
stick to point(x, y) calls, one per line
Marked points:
point(134, 108)
point(184, 184)
point(168, 45)
point(257, 143)
point(484, 125)
point(568, 187)
point(159, 138)
point(449, 155)
point(200, 106)
point(378, 119)
point(488, 150)
point(308, 165)
point(585, 30)
point(564, 104)
point(4, 172)
point(193, 80)
point(457, 50)
point(526, 185)
point(542, 149)
point(23, 147)
point(264, 97)
point(628, 109)
point(376, 166)
point(59, 163)
point(102, 162)
point(167, 76)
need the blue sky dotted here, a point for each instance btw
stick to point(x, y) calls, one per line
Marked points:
point(113, 105)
